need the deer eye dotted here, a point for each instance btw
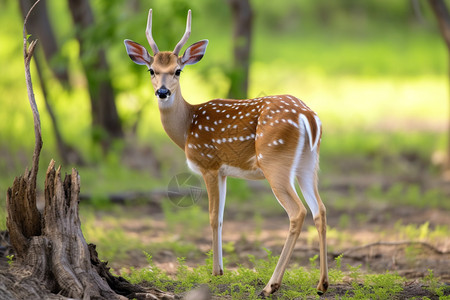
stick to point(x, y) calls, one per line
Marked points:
point(151, 72)
point(178, 72)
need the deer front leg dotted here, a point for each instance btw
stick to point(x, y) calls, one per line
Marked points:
point(216, 187)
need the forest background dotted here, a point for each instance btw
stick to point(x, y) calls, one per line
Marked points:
point(376, 72)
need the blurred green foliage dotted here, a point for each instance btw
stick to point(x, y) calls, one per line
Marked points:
point(374, 72)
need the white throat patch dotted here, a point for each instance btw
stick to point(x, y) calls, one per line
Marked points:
point(166, 102)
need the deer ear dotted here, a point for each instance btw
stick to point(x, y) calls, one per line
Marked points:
point(138, 53)
point(194, 53)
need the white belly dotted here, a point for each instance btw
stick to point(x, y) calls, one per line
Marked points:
point(194, 168)
point(254, 174)
point(226, 170)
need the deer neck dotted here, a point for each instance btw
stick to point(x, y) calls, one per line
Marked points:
point(176, 115)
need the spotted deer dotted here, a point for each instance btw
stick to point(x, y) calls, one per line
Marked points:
point(271, 137)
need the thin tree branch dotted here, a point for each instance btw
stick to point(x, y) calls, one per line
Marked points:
point(443, 17)
point(28, 53)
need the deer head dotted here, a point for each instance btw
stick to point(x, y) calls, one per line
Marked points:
point(165, 67)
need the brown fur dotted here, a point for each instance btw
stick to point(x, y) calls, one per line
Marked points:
point(266, 137)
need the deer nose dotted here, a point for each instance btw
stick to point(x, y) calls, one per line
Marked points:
point(163, 92)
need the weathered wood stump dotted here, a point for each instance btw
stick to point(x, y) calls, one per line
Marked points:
point(50, 246)
point(53, 260)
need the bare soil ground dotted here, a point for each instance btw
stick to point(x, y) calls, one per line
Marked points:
point(373, 234)
point(375, 244)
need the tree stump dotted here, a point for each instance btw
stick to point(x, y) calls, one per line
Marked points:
point(53, 260)
point(51, 247)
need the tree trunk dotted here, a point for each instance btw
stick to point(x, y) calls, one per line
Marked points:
point(105, 119)
point(443, 16)
point(242, 33)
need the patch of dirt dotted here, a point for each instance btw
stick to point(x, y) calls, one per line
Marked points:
point(367, 232)
point(374, 244)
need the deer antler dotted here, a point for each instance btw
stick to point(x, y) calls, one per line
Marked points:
point(186, 35)
point(148, 33)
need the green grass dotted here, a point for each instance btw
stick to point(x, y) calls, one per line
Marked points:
point(187, 222)
point(376, 286)
point(409, 194)
point(2, 217)
point(150, 274)
point(113, 243)
point(421, 232)
point(437, 288)
point(245, 283)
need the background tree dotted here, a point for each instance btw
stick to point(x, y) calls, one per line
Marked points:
point(443, 17)
point(106, 124)
point(242, 15)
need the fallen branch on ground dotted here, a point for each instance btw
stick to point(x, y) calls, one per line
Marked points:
point(397, 244)
point(348, 252)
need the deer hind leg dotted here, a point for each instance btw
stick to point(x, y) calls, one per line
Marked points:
point(283, 189)
point(216, 187)
point(307, 179)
